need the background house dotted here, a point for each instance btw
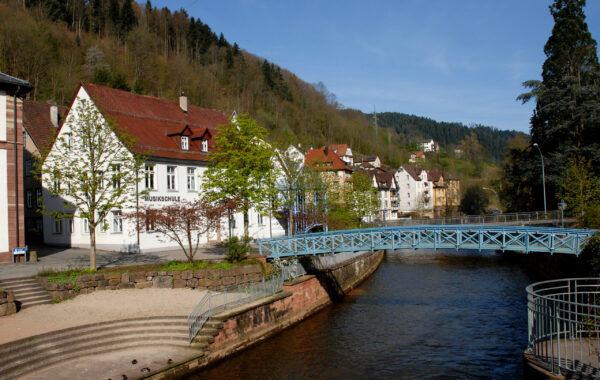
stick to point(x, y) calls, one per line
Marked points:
point(414, 191)
point(40, 123)
point(12, 231)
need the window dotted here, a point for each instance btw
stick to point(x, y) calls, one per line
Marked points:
point(191, 178)
point(56, 184)
point(205, 145)
point(149, 176)
point(116, 178)
point(150, 225)
point(71, 226)
point(56, 226)
point(117, 222)
point(184, 143)
point(38, 197)
point(171, 178)
point(86, 225)
point(29, 196)
point(232, 221)
point(28, 168)
point(261, 220)
point(408, 204)
point(408, 195)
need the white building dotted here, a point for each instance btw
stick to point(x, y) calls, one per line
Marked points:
point(344, 152)
point(176, 138)
point(387, 191)
point(415, 192)
point(430, 146)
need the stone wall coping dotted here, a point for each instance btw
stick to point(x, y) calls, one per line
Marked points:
point(228, 314)
point(299, 280)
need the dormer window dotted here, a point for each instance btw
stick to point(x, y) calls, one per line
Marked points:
point(184, 143)
point(205, 145)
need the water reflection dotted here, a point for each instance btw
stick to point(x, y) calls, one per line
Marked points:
point(422, 315)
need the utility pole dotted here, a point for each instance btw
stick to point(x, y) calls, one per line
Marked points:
point(375, 117)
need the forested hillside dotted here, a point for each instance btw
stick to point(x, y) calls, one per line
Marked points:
point(56, 44)
point(416, 128)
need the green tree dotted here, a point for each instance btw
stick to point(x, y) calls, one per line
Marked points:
point(581, 187)
point(361, 196)
point(565, 119)
point(127, 19)
point(241, 167)
point(91, 168)
point(475, 201)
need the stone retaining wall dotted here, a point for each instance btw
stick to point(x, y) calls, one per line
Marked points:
point(7, 303)
point(194, 279)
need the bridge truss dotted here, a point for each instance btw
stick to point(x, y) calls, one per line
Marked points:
point(473, 237)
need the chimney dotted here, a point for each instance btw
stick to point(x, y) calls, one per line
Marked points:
point(183, 102)
point(54, 116)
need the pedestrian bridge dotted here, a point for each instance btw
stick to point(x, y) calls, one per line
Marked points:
point(474, 237)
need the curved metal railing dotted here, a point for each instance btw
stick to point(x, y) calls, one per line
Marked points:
point(564, 326)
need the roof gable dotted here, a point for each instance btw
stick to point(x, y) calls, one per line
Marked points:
point(153, 121)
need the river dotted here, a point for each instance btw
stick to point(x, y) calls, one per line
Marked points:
point(421, 315)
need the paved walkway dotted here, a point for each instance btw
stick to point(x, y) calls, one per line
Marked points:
point(66, 258)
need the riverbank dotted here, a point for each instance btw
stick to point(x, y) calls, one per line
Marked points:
point(240, 328)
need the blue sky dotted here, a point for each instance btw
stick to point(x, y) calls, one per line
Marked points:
point(462, 60)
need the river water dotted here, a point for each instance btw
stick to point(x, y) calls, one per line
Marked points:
point(421, 315)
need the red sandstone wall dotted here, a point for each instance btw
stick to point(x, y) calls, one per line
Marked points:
point(12, 198)
point(307, 294)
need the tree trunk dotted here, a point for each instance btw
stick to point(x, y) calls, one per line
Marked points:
point(246, 223)
point(92, 248)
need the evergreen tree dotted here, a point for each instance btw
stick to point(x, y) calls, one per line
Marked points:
point(127, 19)
point(566, 118)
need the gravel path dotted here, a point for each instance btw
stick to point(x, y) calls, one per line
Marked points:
point(100, 306)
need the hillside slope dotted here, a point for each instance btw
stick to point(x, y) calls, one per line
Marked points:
point(120, 43)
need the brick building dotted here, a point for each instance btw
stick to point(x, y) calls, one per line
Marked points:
point(12, 232)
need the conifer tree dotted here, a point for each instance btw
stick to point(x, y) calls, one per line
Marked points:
point(566, 118)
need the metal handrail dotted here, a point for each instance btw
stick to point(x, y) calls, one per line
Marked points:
point(517, 217)
point(228, 297)
point(564, 325)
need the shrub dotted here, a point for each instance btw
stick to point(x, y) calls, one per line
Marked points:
point(591, 218)
point(237, 249)
point(589, 260)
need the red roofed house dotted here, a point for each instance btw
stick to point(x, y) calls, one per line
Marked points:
point(12, 231)
point(40, 123)
point(176, 138)
point(335, 171)
point(344, 152)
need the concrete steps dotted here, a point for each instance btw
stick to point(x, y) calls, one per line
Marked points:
point(28, 292)
point(27, 355)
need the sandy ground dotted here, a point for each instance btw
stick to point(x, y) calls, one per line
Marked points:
point(101, 306)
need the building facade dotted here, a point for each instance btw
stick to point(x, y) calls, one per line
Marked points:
point(176, 139)
point(12, 231)
point(414, 191)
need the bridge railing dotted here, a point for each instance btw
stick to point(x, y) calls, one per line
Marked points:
point(564, 326)
point(479, 237)
point(508, 218)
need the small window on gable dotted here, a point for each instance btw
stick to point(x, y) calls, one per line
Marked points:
point(204, 145)
point(184, 143)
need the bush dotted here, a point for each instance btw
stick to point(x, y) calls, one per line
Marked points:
point(237, 249)
point(589, 260)
point(591, 218)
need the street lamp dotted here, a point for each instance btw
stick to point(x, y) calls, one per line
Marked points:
point(562, 205)
point(543, 178)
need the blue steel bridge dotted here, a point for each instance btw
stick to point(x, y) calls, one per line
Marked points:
point(473, 237)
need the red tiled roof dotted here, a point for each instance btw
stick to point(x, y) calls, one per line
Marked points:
point(325, 159)
point(434, 175)
point(36, 119)
point(385, 179)
point(339, 149)
point(156, 124)
point(413, 170)
point(418, 154)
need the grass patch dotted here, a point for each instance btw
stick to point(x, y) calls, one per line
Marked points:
point(71, 274)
